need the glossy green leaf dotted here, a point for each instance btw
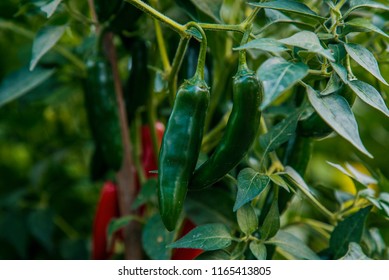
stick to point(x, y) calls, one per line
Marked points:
point(341, 71)
point(277, 179)
point(50, 7)
point(288, 6)
point(347, 231)
point(147, 192)
point(356, 4)
point(41, 225)
point(366, 59)
point(333, 85)
point(21, 82)
point(206, 237)
point(45, 39)
point(250, 185)
point(335, 111)
point(309, 41)
point(369, 95)
point(293, 246)
point(264, 44)
point(277, 75)
point(280, 133)
point(247, 219)
point(362, 24)
point(155, 239)
point(258, 249)
point(354, 253)
point(271, 224)
point(338, 51)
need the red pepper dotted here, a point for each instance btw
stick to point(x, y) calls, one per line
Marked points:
point(184, 253)
point(149, 159)
point(107, 209)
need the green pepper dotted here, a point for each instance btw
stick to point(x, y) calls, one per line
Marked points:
point(102, 110)
point(240, 132)
point(181, 143)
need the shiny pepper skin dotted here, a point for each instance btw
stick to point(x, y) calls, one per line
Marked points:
point(180, 148)
point(240, 132)
point(107, 209)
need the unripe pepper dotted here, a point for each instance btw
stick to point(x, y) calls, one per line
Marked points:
point(107, 209)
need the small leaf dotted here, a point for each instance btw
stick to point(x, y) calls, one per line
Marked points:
point(369, 95)
point(333, 85)
point(336, 112)
point(292, 245)
point(116, 224)
point(147, 192)
point(338, 51)
point(271, 224)
point(155, 238)
point(277, 179)
point(263, 44)
point(341, 71)
point(348, 230)
point(50, 7)
point(250, 185)
point(214, 255)
point(45, 39)
point(357, 24)
point(206, 237)
point(42, 227)
point(309, 41)
point(288, 6)
point(21, 82)
point(354, 253)
point(280, 133)
point(247, 220)
point(258, 249)
point(362, 178)
point(277, 75)
point(366, 59)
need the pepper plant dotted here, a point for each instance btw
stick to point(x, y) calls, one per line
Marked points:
point(276, 127)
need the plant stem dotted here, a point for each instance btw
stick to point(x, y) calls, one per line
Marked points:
point(177, 61)
point(203, 50)
point(222, 27)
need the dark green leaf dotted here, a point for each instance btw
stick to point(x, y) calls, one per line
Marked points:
point(44, 40)
point(41, 225)
point(21, 82)
point(333, 85)
point(258, 249)
point(209, 7)
point(277, 75)
point(264, 44)
point(116, 224)
point(214, 255)
point(206, 237)
point(247, 219)
point(293, 246)
point(366, 59)
point(155, 238)
point(309, 41)
point(362, 24)
point(277, 179)
point(335, 111)
point(348, 230)
point(339, 52)
point(369, 95)
point(146, 194)
point(288, 6)
point(271, 224)
point(354, 253)
point(50, 7)
point(14, 230)
point(356, 4)
point(341, 71)
point(250, 185)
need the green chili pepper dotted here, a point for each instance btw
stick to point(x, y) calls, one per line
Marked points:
point(181, 143)
point(102, 110)
point(240, 132)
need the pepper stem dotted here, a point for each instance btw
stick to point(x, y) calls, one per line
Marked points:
point(203, 50)
point(242, 53)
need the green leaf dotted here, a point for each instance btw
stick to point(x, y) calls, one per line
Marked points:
point(21, 82)
point(341, 71)
point(356, 4)
point(247, 219)
point(50, 7)
point(339, 52)
point(366, 59)
point(258, 249)
point(309, 41)
point(146, 194)
point(214, 255)
point(336, 112)
point(369, 95)
point(348, 230)
point(271, 224)
point(280, 133)
point(292, 245)
point(41, 225)
point(289, 6)
point(209, 7)
point(116, 224)
point(333, 85)
point(14, 230)
point(263, 44)
point(45, 39)
point(155, 238)
point(250, 185)
point(277, 75)
point(277, 179)
point(206, 237)
point(362, 24)
point(355, 253)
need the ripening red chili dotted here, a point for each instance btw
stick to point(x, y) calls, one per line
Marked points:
point(107, 209)
point(149, 159)
point(184, 253)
